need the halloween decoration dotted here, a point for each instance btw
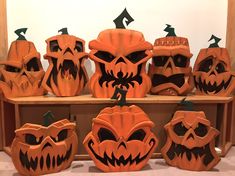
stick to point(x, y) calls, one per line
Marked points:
point(121, 138)
point(22, 72)
point(38, 150)
point(170, 72)
point(66, 74)
point(212, 71)
point(120, 56)
point(190, 142)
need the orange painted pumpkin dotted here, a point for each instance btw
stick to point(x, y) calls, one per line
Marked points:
point(212, 71)
point(170, 72)
point(66, 74)
point(22, 72)
point(190, 142)
point(38, 150)
point(120, 56)
point(121, 139)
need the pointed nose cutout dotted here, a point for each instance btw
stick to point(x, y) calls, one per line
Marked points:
point(120, 60)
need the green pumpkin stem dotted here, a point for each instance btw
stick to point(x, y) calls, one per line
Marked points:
point(120, 95)
point(123, 17)
point(48, 118)
point(170, 30)
point(63, 31)
point(19, 31)
point(216, 39)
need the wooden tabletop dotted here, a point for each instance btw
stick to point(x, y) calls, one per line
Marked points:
point(88, 99)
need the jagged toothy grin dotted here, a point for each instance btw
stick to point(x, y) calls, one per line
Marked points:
point(177, 79)
point(50, 162)
point(106, 160)
point(203, 86)
point(122, 79)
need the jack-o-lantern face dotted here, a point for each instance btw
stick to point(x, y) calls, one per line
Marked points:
point(212, 72)
point(190, 141)
point(38, 150)
point(170, 71)
point(121, 139)
point(22, 72)
point(66, 74)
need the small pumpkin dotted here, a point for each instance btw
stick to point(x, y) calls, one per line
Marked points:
point(120, 56)
point(66, 74)
point(22, 72)
point(170, 71)
point(38, 150)
point(212, 71)
point(121, 138)
point(190, 142)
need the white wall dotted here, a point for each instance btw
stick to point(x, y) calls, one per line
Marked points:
point(194, 19)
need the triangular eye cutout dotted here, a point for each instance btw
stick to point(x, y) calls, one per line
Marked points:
point(216, 39)
point(63, 31)
point(123, 17)
point(170, 30)
point(19, 31)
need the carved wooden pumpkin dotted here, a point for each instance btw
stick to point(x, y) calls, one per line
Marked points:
point(121, 139)
point(170, 72)
point(66, 74)
point(190, 142)
point(22, 72)
point(38, 150)
point(212, 71)
point(120, 56)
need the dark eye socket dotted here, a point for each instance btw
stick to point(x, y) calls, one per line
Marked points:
point(137, 135)
point(180, 129)
point(105, 56)
point(63, 134)
point(180, 60)
point(220, 68)
point(201, 130)
point(136, 56)
point(12, 69)
point(32, 140)
point(32, 65)
point(160, 61)
point(105, 134)
point(206, 65)
point(78, 46)
point(54, 46)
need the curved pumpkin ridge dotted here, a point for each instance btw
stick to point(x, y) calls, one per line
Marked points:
point(5, 89)
point(54, 87)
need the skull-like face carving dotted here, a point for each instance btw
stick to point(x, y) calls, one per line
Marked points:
point(66, 74)
point(190, 142)
point(170, 71)
point(120, 56)
point(121, 139)
point(22, 72)
point(38, 150)
point(212, 72)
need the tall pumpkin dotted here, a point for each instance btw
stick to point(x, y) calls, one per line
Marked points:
point(120, 56)
point(170, 71)
point(22, 72)
point(212, 71)
point(121, 138)
point(66, 74)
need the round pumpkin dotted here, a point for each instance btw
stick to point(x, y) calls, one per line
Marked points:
point(66, 74)
point(22, 72)
point(38, 150)
point(190, 142)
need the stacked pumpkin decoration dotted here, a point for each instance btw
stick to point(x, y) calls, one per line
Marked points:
point(66, 74)
point(22, 72)
point(120, 56)
point(190, 141)
point(212, 71)
point(38, 150)
point(121, 138)
point(170, 71)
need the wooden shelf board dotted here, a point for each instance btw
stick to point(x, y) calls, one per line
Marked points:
point(88, 99)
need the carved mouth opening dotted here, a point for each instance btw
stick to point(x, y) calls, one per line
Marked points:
point(177, 79)
point(106, 160)
point(122, 79)
point(177, 150)
point(47, 162)
point(209, 87)
point(68, 70)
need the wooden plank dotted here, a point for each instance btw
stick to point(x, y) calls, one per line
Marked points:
point(88, 99)
point(3, 30)
point(1, 122)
